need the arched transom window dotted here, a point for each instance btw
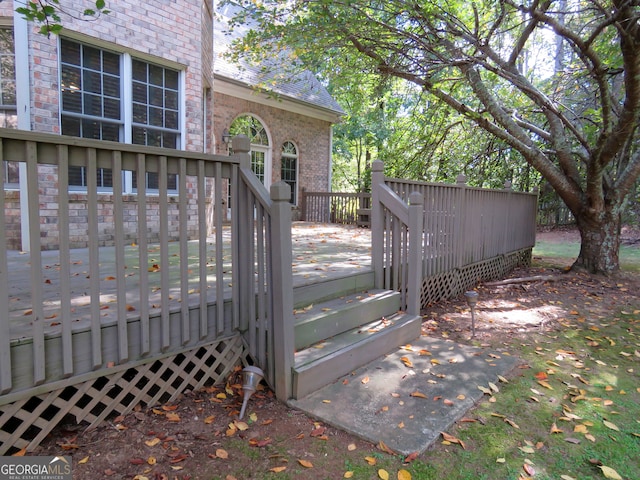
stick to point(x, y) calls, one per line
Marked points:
point(260, 154)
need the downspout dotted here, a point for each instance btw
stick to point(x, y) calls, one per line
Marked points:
point(23, 109)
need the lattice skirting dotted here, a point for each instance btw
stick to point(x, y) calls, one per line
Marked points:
point(27, 421)
point(451, 284)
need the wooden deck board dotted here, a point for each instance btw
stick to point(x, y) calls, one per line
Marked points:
point(320, 252)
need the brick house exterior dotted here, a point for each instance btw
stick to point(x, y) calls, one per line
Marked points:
point(176, 39)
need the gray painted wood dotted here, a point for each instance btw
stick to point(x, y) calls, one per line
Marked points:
point(316, 367)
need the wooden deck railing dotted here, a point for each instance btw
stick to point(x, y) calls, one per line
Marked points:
point(335, 207)
point(460, 227)
point(183, 291)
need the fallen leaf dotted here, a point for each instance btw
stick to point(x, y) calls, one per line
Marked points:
point(153, 442)
point(411, 457)
point(609, 472)
point(348, 474)
point(404, 475)
point(383, 474)
point(451, 439)
point(277, 469)
point(610, 425)
point(221, 453)
point(83, 460)
point(406, 362)
point(370, 460)
point(173, 417)
point(365, 380)
point(305, 463)
point(512, 423)
point(529, 470)
point(418, 394)
point(382, 446)
point(351, 447)
point(555, 429)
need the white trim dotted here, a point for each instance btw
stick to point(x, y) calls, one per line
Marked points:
point(126, 93)
point(23, 106)
point(245, 92)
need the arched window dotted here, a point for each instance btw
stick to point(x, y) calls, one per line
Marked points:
point(289, 169)
point(260, 154)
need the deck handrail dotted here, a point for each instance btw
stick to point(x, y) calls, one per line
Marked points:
point(460, 226)
point(115, 320)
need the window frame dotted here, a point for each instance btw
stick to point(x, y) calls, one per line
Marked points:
point(295, 157)
point(9, 111)
point(127, 124)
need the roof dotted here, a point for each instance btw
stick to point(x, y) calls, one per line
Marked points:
point(303, 87)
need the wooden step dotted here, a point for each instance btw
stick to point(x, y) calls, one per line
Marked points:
point(325, 362)
point(325, 320)
point(316, 292)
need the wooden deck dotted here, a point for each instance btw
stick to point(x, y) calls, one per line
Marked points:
point(320, 252)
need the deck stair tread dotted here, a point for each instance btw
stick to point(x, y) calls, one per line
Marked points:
point(328, 347)
point(340, 335)
point(317, 322)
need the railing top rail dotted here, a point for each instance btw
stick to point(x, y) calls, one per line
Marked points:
point(418, 183)
point(55, 140)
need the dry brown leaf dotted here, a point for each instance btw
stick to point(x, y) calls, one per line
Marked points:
point(305, 463)
point(365, 380)
point(173, 417)
point(382, 446)
point(277, 469)
point(418, 394)
point(370, 460)
point(451, 439)
point(411, 457)
point(348, 474)
point(222, 453)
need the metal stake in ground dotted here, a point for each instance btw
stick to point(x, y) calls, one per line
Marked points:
point(472, 299)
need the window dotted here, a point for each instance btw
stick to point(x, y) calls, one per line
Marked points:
point(260, 153)
point(289, 169)
point(8, 109)
point(96, 98)
point(155, 112)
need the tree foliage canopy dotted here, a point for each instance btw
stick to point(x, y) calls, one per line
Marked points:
point(558, 82)
point(46, 13)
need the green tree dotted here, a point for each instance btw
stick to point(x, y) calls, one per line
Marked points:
point(46, 13)
point(558, 82)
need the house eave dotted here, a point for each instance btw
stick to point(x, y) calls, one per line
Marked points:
point(242, 90)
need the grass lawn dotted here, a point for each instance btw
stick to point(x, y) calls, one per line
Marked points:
point(565, 253)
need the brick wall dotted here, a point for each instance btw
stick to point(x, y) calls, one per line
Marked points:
point(156, 31)
point(311, 136)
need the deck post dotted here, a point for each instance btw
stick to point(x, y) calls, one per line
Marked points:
point(414, 282)
point(242, 218)
point(282, 288)
point(377, 224)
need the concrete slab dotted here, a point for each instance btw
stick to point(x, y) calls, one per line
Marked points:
point(407, 407)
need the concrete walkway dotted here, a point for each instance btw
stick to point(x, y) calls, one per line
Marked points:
point(407, 398)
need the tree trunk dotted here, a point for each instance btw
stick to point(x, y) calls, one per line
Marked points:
point(600, 234)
